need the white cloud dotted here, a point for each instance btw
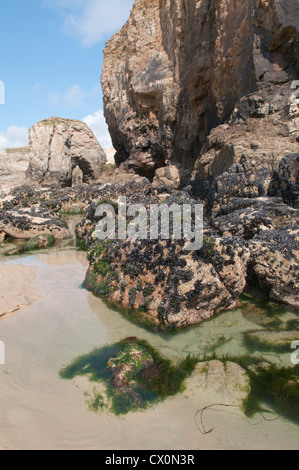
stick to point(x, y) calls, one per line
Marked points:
point(91, 21)
point(97, 123)
point(14, 137)
point(73, 97)
point(68, 4)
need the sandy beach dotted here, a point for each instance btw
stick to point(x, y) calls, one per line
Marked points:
point(17, 289)
point(62, 321)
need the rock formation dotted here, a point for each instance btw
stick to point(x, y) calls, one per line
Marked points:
point(27, 223)
point(249, 240)
point(178, 68)
point(197, 97)
point(59, 146)
point(251, 156)
point(160, 279)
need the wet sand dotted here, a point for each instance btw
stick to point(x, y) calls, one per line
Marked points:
point(38, 410)
point(17, 289)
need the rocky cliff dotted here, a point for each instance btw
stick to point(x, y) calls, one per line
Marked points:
point(64, 151)
point(178, 68)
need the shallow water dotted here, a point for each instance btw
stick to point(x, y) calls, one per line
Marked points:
point(38, 410)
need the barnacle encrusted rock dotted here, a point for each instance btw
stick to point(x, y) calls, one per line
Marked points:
point(274, 262)
point(162, 280)
point(27, 223)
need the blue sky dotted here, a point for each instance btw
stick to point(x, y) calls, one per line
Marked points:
point(51, 62)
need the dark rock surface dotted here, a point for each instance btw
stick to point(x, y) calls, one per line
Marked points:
point(285, 180)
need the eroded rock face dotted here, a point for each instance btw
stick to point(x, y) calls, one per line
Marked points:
point(178, 68)
point(59, 146)
point(249, 159)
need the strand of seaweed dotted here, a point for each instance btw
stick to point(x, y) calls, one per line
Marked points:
point(201, 412)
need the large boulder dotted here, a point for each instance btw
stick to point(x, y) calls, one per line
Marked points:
point(178, 68)
point(161, 280)
point(251, 240)
point(165, 284)
point(63, 151)
point(271, 230)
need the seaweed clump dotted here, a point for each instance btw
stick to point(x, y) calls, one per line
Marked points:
point(39, 242)
point(134, 374)
point(276, 387)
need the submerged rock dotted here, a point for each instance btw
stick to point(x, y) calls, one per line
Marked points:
point(133, 363)
point(219, 381)
point(135, 376)
point(277, 340)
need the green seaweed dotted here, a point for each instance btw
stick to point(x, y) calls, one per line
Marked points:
point(95, 403)
point(149, 379)
point(73, 212)
point(34, 243)
point(270, 385)
point(278, 388)
point(81, 244)
point(208, 248)
point(254, 343)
